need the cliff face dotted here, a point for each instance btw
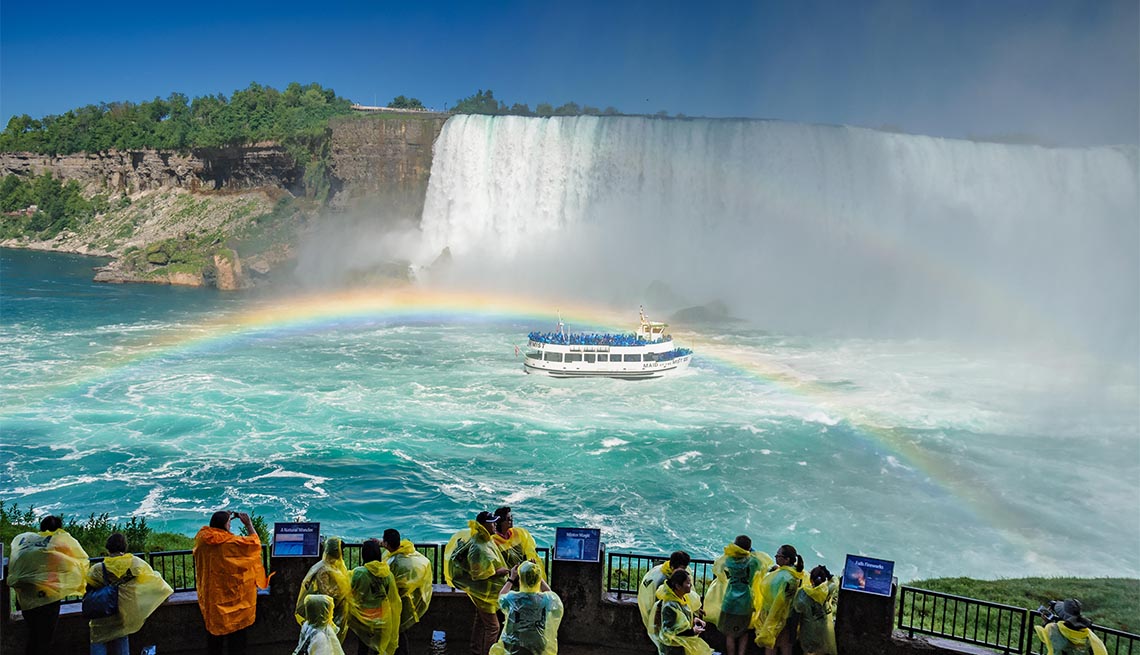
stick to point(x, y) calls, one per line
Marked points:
point(383, 158)
point(207, 169)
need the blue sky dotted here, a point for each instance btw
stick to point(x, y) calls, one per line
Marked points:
point(1064, 71)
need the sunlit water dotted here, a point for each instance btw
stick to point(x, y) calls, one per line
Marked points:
point(948, 461)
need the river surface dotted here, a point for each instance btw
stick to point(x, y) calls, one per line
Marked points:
point(168, 403)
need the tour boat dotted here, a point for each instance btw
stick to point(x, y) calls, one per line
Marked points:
point(645, 354)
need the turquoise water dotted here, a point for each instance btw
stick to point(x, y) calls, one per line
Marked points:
point(947, 460)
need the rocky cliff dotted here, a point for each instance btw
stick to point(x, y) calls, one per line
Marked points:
point(243, 195)
point(383, 158)
point(206, 169)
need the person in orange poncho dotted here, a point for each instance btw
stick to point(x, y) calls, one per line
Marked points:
point(229, 571)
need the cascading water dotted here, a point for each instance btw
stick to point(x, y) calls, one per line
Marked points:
point(799, 227)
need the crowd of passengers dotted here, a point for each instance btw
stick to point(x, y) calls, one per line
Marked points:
point(591, 339)
point(771, 601)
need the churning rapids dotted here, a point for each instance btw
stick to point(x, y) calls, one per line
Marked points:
point(936, 362)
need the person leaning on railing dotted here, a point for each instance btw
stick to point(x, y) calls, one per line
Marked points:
point(374, 608)
point(140, 591)
point(413, 575)
point(45, 567)
point(815, 606)
point(474, 564)
point(734, 595)
point(1066, 631)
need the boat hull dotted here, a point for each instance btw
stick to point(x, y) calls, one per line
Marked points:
point(647, 371)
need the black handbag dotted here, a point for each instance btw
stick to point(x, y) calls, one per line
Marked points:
point(104, 601)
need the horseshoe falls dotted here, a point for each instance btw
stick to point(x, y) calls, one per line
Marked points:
point(933, 358)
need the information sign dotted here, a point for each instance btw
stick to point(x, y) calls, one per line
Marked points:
point(296, 539)
point(578, 544)
point(868, 575)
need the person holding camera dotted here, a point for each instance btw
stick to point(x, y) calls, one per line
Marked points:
point(1066, 631)
point(228, 571)
point(675, 622)
point(533, 613)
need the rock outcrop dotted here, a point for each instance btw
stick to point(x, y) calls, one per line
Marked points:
point(127, 172)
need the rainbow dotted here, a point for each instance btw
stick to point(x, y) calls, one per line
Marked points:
point(284, 317)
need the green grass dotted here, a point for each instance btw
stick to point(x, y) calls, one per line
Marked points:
point(1109, 602)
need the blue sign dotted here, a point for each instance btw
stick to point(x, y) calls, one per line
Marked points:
point(868, 575)
point(296, 539)
point(578, 544)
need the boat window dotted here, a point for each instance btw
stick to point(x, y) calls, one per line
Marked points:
point(552, 357)
point(603, 358)
point(650, 357)
point(590, 358)
point(573, 357)
point(534, 355)
point(633, 358)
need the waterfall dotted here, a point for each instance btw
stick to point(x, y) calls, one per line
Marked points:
point(794, 226)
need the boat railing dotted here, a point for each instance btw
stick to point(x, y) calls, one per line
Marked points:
point(594, 339)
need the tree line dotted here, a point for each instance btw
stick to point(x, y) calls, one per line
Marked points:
point(484, 102)
point(297, 116)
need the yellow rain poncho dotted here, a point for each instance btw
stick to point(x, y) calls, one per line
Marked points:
point(46, 567)
point(533, 616)
point(519, 547)
point(470, 561)
point(647, 595)
point(374, 611)
point(318, 634)
point(673, 616)
point(413, 580)
point(140, 593)
point(328, 577)
point(735, 588)
point(778, 589)
point(1060, 639)
point(228, 571)
point(815, 605)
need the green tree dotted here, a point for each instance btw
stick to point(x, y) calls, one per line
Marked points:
point(402, 102)
point(544, 109)
point(569, 109)
point(483, 102)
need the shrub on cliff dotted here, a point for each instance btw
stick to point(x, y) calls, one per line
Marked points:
point(58, 206)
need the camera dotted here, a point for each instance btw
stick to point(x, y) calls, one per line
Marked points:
point(1048, 611)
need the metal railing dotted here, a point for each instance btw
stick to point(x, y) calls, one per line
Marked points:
point(433, 552)
point(1116, 642)
point(978, 622)
point(1001, 627)
point(624, 572)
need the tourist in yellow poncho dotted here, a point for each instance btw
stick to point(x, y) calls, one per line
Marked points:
point(778, 590)
point(516, 543)
point(318, 634)
point(412, 572)
point(652, 581)
point(815, 607)
point(45, 567)
point(1069, 633)
point(374, 609)
point(141, 591)
point(734, 595)
point(533, 614)
point(678, 630)
point(330, 578)
point(473, 563)
point(228, 570)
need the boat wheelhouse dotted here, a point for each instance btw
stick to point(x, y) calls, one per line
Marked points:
point(642, 355)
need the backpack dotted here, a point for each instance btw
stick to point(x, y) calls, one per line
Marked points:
point(104, 601)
